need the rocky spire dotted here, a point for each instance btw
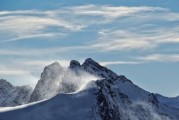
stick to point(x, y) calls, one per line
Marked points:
point(48, 85)
point(95, 68)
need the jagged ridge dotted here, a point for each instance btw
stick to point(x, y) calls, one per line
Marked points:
point(112, 97)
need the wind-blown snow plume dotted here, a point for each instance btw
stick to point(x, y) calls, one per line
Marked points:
point(74, 81)
point(57, 79)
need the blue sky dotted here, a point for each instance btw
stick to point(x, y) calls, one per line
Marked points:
point(136, 38)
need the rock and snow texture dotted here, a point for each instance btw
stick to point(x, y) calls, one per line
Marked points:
point(111, 97)
point(102, 101)
point(13, 96)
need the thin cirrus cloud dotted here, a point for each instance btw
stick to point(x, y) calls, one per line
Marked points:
point(23, 37)
point(120, 40)
point(160, 58)
point(41, 52)
point(120, 62)
point(67, 19)
point(111, 12)
point(12, 72)
point(27, 24)
point(141, 33)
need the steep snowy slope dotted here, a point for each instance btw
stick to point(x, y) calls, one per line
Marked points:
point(12, 96)
point(95, 68)
point(101, 100)
point(61, 107)
point(169, 101)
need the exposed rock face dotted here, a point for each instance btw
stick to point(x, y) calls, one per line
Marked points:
point(113, 104)
point(95, 68)
point(13, 96)
point(74, 64)
point(48, 85)
point(153, 99)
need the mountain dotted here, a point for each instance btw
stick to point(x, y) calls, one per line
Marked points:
point(13, 95)
point(90, 92)
point(56, 79)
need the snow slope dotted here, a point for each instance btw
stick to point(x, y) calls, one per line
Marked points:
point(61, 107)
point(169, 101)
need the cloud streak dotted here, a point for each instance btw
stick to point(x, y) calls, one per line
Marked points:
point(137, 38)
point(160, 58)
point(120, 63)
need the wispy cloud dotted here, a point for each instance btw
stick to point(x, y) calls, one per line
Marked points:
point(136, 38)
point(19, 24)
point(112, 12)
point(160, 58)
point(40, 52)
point(43, 63)
point(120, 62)
point(26, 37)
point(13, 72)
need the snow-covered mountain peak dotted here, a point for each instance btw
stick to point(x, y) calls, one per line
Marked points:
point(5, 84)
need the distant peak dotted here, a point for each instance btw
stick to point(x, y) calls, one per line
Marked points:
point(53, 68)
point(54, 65)
point(4, 83)
point(90, 61)
point(74, 64)
point(3, 80)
